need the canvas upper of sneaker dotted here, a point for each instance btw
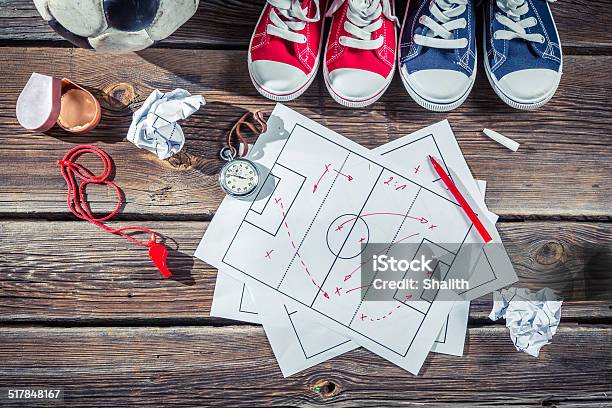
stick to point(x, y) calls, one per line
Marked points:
point(300, 54)
point(415, 57)
point(380, 61)
point(508, 53)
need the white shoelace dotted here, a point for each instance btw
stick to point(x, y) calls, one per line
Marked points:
point(513, 10)
point(295, 19)
point(441, 26)
point(363, 18)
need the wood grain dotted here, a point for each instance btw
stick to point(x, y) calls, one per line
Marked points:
point(207, 366)
point(71, 271)
point(62, 281)
point(223, 23)
point(563, 168)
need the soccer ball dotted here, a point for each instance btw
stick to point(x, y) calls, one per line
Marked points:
point(116, 25)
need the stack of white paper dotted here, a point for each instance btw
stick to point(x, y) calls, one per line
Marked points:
point(288, 257)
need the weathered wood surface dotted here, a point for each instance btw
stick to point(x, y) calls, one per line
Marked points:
point(71, 271)
point(62, 282)
point(563, 168)
point(222, 23)
point(207, 366)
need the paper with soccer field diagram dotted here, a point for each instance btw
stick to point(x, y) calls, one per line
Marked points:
point(299, 239)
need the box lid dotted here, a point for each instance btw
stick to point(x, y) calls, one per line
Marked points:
point(39, 103)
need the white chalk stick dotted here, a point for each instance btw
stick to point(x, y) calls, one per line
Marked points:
point(501, 139)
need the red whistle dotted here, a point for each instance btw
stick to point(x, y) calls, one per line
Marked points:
point(158, 254)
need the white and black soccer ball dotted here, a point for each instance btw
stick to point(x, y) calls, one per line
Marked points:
point(116, 25)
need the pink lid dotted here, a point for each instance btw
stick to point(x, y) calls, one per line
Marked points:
point(39, 104)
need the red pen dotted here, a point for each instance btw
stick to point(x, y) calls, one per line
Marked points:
point(461, 200)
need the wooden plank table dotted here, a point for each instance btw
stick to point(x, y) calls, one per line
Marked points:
point(82, 310)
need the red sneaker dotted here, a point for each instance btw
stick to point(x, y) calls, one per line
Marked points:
point(360, 52)
point(284, 50)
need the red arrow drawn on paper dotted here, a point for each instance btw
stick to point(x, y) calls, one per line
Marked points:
point(316, 186)
point(348, 176)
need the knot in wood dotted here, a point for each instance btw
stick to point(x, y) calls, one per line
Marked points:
point(326, 388)
point(119, 96)
point(182, 161)
point(550, 253)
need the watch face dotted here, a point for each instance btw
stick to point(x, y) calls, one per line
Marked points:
point(239, 177)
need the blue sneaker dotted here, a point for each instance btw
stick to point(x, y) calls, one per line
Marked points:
point(524, 61)
point(437, 58)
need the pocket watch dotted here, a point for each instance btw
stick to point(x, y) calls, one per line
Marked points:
point(239, 177)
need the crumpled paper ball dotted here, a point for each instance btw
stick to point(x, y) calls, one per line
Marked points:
point(154, 126)
point(532, 318)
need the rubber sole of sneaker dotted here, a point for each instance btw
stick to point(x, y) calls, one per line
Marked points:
point(434, 106)
point(284, 97)
point(521, 105)
point(507, 99)
point(351, 103)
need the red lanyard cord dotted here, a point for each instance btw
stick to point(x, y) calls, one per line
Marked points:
point(77, 203)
